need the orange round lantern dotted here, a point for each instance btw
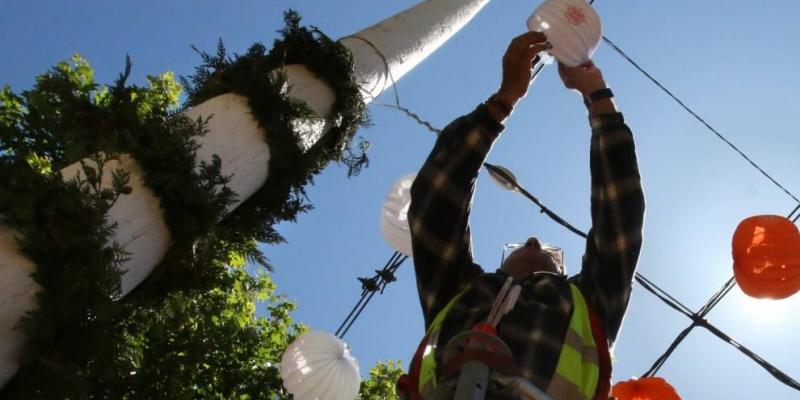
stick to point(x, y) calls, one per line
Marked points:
point(766, 257)
point(653, 388)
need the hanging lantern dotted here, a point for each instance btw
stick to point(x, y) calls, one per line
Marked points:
point(571, 26)
point(394, 215)
point(318, 366)
point(653, 388)
point(766, 257)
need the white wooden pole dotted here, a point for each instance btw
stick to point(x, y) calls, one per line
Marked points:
point(402, 41)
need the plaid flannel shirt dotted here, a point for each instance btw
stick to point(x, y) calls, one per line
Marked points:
point(441, 198)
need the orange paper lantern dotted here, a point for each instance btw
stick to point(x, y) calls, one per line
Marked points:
point(644, 389)
point(766, 257)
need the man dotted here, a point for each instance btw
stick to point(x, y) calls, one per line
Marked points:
point(561, 328)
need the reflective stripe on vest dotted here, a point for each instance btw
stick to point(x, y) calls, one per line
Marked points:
point(427, 373)
point(577, 371)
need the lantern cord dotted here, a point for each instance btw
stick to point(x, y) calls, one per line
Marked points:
point(694, 114)
point(370, 286)
point(371, 294)
point(364, 292)
point(542, 208)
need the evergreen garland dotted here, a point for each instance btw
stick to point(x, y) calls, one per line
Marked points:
point(82, 333)
point(256, 75)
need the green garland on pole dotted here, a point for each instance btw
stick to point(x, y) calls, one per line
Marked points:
point(256, 75)
point(83, 333)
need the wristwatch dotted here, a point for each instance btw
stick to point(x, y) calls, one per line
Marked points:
point(604, 93)
point(500, 104)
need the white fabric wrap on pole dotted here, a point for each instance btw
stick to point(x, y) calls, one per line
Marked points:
point(405, 40)
point(234, 135)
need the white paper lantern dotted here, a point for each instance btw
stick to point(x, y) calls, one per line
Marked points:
point(318, 366)
point(394, 215)
point(572, 27)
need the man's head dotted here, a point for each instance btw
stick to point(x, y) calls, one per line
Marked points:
point(530, 258)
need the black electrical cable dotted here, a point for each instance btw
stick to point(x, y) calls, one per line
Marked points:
point(365, 294)
point(694, 114)
point(393, 268)
point(794, 211)
point(717, 297)
point(542, 208)
point(663, 358)
point(663, 295)
point(774, 371)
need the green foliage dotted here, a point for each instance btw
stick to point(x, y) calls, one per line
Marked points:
point(256, 75)
point(63, 228)
point(189, 330)
point(210, 344)
point(382, 381)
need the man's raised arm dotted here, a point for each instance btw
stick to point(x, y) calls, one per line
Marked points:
point(615, 240)
point(441, 196)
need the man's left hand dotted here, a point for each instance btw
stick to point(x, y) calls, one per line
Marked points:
point(517, 63)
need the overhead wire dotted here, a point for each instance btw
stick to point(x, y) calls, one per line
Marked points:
point(698, 117)
point(794, 211)
point(380, 280)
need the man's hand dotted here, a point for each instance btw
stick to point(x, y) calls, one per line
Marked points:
point(585, 78)
point(517, 64)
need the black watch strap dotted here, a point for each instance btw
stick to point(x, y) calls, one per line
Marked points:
point(604, 93)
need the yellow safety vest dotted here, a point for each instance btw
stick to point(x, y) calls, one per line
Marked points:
point(577, 372)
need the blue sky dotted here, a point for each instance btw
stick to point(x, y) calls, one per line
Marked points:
point(734, 62)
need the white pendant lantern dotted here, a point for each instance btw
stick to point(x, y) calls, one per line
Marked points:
point(394, 215)
point(572, 27)
point(318, 366)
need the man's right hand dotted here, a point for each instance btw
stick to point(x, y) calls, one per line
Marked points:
point(585, 78)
